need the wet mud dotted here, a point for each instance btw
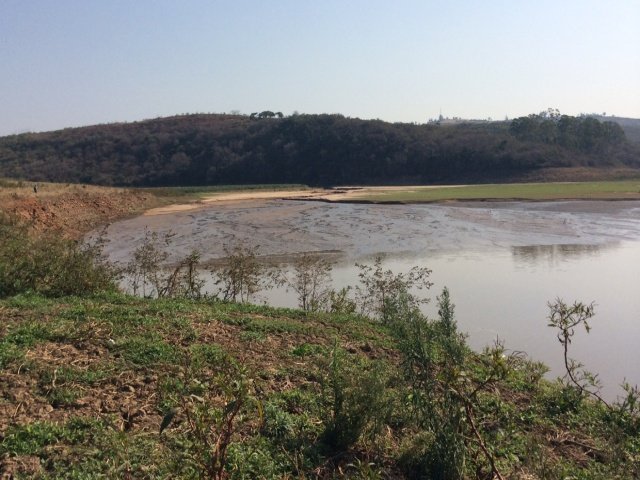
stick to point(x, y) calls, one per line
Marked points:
point(283, 228)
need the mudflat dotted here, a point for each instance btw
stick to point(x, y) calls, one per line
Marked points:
point(288, 227)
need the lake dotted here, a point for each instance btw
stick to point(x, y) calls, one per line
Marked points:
point(502, 262)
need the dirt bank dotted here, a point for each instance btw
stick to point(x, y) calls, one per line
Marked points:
point(72, 210)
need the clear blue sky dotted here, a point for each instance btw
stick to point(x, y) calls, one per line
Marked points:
point(78, 62)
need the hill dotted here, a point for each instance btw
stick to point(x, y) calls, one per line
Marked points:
point(315, 150)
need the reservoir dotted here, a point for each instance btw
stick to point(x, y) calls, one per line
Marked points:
point(502, 262)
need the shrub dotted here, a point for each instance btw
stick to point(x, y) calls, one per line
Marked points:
point(311, 276)
point(51, 266)
point(356, 401)
point(241, 275)
point(148, 275)
point(380, 288)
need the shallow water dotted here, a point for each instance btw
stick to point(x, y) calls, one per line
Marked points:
point(502, 262)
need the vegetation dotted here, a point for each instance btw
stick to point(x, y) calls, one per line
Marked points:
point(586, 134)
point(51, 266)
point(618, 190)
point(310, 281)
point(98, 384)
point(313, 150)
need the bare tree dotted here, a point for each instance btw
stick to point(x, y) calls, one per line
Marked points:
point(241, 275)
point(311, 277)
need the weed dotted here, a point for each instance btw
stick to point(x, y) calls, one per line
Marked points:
point(252, 336)
point(306, 349)
point(207, 354)
point(29, 334)
point(356, 401)
point(147, 350)
point(32, 438)
point(212, 425)
point(9, 353)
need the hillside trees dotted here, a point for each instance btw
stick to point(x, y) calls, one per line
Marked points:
point(311, 149)
point(585, 134)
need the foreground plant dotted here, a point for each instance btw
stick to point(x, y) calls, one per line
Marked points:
point(447, 384)
point(566, 318)
point(213, 412)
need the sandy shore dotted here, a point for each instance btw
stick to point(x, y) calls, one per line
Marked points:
point(337, 194)
point(234, 197)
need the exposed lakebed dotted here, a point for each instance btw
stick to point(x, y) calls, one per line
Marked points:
point(502, 261)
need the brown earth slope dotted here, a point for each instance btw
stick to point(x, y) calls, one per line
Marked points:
point(72, 210)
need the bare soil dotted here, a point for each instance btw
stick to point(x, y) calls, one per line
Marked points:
point(72, 210)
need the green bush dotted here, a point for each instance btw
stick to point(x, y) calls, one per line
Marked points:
point(356, 399)
point(49, 265)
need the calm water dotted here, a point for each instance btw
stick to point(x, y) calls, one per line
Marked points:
point(501, 262)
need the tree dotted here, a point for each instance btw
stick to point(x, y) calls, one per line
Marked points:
point(380, 288)
point(240, 274)
point(311, 276)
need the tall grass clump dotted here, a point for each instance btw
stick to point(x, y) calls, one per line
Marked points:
point(49, 265)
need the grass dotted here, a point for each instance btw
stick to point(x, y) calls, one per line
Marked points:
point(86, 383)
point(627, 189)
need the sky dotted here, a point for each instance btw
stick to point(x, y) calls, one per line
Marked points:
point(66, 63)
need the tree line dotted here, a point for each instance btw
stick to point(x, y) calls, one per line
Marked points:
point(216, 149)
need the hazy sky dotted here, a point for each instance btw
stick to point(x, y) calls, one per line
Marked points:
point(70, 63)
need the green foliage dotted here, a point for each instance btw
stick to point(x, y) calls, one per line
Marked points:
point(32, 438)
point(207, 354)
point(9, 353)
point(339, 301)
point(586, 134)
point(380, 289)
point(29, 334)
point(147, 350)
point(257, 459)
point(211, 424)
point(148, 275)
point(306, 349)
point(356, 400)
point(566, 318)
point(401, 399)
point(433, 354)
point(252, 336)
point(51, 266)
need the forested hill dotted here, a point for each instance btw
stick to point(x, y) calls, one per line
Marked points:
point(312, 149)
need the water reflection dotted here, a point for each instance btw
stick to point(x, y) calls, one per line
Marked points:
point(530, 255)
point(502, 265)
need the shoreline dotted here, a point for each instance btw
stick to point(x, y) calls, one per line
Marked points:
point(75, 210)
point(358, 195)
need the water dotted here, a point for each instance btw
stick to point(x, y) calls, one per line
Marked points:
point(501, 262)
